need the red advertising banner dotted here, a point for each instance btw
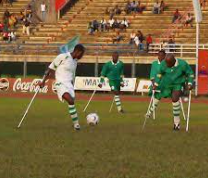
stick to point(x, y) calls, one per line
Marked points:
point(19, 85)
point(60, 4)
point(203, 72)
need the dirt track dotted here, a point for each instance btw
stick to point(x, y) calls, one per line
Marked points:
point(98, 97)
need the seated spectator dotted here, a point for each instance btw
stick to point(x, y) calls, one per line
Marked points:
point(148, 41)
point(90, 28)
point(95, 25)
point(141, 39)
point(1, 27)
point(134, 6)
point(26, 26)
point(103, 25)
point(203, 3)
point(127, 8)
point(156, 8)
point(20, 17)
point(189, 20)
point(162, 6)
point(13, 36)
point(117, 38)
point(6, 14)
point(140, 7)
point(107, 11)
point(10, 2)
point(171, 45)
point(117, 10)
point(5, 35)
point(116, 23)
point(12, 21)
point(132, 37)
point(111, 22)
point(176, 16)
point(124, 24)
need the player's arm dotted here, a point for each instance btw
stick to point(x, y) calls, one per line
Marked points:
point(190, 76)
point(158, 77)
point(152, 73)
point(103, 74)
point(122, 75)
point(50, 72)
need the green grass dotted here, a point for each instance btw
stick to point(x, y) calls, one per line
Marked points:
point(47, 147)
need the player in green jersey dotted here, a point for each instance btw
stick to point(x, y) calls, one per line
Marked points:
point(170, 81)
point(114, 70)
point(153, 73)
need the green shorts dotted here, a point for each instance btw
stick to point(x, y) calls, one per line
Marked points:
point(166, 91)
point(115, 85)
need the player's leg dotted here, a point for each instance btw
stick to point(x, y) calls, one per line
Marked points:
point(153, 106)
point(118, 101)
point(72, 110)
point(176, 108)
point(115, 87)
point(157, 98)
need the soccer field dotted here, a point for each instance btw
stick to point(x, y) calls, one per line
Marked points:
point(47, 146)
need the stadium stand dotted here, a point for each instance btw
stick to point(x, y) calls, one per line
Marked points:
point(42, 44)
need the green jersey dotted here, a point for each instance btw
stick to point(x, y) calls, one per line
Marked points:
point(112, 71)
point(176, 75)
point(154, 69)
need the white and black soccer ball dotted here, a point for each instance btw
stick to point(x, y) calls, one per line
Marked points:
point(92, 119)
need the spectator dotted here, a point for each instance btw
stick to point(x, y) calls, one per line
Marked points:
point(43, 11)
point(124, 24)
point(156, 8)
point(103, 25)
point(162, 6)
point(171, 45)
point(116, 23)
point(10, 2)
point(140, 7)
point(134, 6)
point(148, 41)
point(203, 3)
point(117, 10)
point(107, 11)
point(132, 37)
point(95, 25)
point(176, 16)
point(1, 27)
point(90, 28)
point(12, 21)
point(127, 8)
point(111, 22)
point(117, 38)
point(21, 17)
point(5, 35)
point(6, 14)
point(29, 12)
point(13, 36)
point(141, 39)
point(189, 20)
point(26, 26)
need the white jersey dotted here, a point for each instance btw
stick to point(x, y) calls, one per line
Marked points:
point(65, 67)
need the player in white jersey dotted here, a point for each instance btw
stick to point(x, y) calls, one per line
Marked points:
point(64, 67)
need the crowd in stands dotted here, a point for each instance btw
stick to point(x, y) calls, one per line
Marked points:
point(159, 7)
point(10, 21)
point(6, 2)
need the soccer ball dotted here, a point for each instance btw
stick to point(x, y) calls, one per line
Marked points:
point(92, 119)
point(185, 99)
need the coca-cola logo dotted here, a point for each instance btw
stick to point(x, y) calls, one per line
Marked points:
point(28, 86)
point(4, 84)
